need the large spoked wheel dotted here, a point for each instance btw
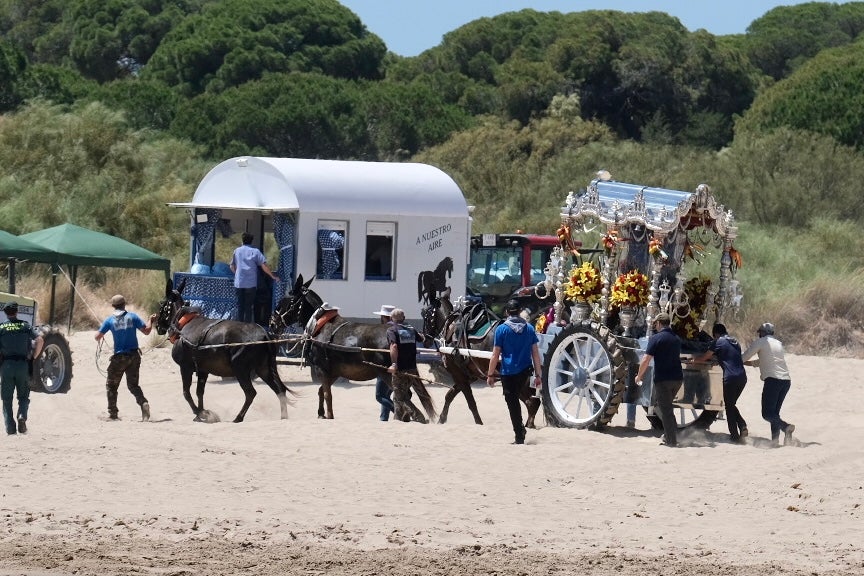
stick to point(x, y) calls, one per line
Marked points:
point(584, 376)
point(52, 372)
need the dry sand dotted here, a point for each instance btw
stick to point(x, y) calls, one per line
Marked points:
point(82, 495)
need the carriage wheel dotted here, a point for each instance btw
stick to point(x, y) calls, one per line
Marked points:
point(53, 370)
point(584, 376)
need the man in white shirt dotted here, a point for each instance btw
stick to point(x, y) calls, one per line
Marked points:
point(773, 371)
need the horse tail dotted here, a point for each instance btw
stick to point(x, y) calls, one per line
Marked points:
point(420, 278)
point(273, 368)
point(425, 399)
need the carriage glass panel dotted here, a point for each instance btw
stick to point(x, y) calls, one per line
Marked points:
point(380, 245)
point(332, 249)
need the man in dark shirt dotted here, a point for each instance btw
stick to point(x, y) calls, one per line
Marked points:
point(664, 348)
point(20, 344)
point(403, 340)
point(727, 350)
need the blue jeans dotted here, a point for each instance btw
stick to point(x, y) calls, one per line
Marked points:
point(382, 395)
point(773, 394)
point(246, 304)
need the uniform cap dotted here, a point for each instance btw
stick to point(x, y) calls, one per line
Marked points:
point(11, 307)
point(118, 300)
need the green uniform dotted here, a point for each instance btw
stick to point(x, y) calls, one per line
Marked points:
point(16, 338)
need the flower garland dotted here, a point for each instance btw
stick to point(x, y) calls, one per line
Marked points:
point(655, 249)
point(696, 289)
point(609, 241)
point(585, 283)
point(630, 289)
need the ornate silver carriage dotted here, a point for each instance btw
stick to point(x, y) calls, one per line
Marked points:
point(653, 244)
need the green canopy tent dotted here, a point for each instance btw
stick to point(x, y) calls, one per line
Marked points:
point(15, 248)
point(75, 246)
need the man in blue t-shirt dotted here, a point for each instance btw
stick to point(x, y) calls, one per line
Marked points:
point(244, 264)
point(727, 351)
point(515, 346)
point(127, 356)
point(664, 347)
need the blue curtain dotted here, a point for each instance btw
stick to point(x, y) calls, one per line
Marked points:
point(202, 232)
point(284, 230)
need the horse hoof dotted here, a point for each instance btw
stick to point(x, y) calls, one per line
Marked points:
point(207, 416)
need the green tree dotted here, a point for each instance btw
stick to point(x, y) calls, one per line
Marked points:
point(12, 66)
point(237, 41)
point(823, 96)
point(787, 36)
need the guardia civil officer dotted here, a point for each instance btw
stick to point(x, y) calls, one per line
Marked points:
point(20, 345)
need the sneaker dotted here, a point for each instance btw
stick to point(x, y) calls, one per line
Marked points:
point(631, 423)
point(787, 434)
point(22, 425)
point(145, 411)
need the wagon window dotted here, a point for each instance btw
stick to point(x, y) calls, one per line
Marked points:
point(332, 248)
point(380, 238)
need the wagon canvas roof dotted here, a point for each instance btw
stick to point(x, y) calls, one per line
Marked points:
point(657, 209)
point(292, 184)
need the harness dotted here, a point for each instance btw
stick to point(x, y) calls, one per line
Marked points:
point(177, 327)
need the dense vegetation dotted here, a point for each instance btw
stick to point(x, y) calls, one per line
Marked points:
point(111, 109)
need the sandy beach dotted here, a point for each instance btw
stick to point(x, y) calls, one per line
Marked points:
point(83, 495)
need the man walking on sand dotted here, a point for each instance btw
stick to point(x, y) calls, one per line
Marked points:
point(515, 345)
point(775, 374)
point(127, 356)
point(20, 345)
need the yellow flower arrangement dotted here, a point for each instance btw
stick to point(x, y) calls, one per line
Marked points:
point(630, 289)
point(696, 289)
point(585, 283)
point(540, 325)
point(655, 249)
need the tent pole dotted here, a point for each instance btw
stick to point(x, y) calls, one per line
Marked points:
point(72, 298)
point(12, 275)
point(54, 268)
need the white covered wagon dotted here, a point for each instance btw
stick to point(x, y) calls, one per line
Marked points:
point(370, 232)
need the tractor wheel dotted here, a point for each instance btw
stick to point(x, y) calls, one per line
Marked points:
point(52, 372)
point(584, 375)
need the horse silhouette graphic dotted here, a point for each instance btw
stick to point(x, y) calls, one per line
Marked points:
point(430, 283)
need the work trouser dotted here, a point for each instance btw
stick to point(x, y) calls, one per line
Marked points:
point(128, 364)
point(15, 379)
point(512, 385)
point(246, 304)
point(664, 393)
point(732, 390)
